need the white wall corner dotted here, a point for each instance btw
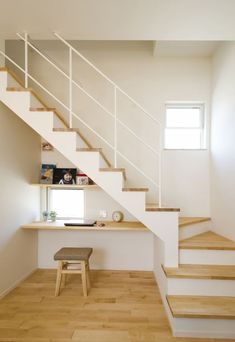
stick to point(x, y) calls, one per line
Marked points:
point(2, 48)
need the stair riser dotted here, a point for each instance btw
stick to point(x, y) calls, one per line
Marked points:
point(111, 178)
point(194, 229)
point(3, 81)
point(18, 102)
point(207, 257)
point(203, 327)
point(202, 287)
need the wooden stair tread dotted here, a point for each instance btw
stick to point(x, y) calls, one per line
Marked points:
point(113, 169)
point(67, 129)
point(223, 272)
point(219, 307)
point(18, 89)
point(135, 189)
point(152, 208)
point(88, 149)
point(207, 240)
point(186, 221)
point(42, 109)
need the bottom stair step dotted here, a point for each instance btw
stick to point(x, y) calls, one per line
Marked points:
point(202, 307)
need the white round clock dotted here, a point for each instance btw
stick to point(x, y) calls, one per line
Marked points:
point(117, 216)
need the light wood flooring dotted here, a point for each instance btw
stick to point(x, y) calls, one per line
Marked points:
point(121, 307)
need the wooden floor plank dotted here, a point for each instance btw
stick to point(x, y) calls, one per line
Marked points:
point(121, 306)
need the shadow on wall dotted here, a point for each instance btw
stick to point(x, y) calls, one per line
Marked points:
point(17, 261)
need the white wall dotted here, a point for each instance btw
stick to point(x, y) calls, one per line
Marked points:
point(152, 81)
point(2, 48)
point(19, 202)
point(223, 141)
point(112, 250)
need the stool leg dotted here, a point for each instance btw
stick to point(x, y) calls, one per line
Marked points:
point(88, 275)
point(63, 277)
point(63, 282)
point(84, 284)
point(58, 279)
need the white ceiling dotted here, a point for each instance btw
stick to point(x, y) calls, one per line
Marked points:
point(119, 19)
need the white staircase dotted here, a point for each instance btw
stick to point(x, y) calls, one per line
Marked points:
point(163, 222)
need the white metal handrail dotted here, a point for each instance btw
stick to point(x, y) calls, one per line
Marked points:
point(138, 169)
point(72, 113)
point(106, 77)
point(58, 100)
point(65, 75)
point(90, 96)
point(137, 137)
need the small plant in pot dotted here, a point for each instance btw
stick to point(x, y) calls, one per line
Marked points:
point(45, 215)
point(52, 215)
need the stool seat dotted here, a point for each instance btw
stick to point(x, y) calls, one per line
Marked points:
point(68, 257)
point(73, 253)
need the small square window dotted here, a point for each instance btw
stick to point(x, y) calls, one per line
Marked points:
point(68, 203)
point(184, 126)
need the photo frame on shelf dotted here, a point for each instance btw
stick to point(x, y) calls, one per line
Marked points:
point(82, 179)
point(64, 176)
point(47, 171)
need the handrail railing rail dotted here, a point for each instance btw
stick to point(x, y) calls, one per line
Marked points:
point(64, 74)
point(69, 108)
point(106, 77)
point(56, 98)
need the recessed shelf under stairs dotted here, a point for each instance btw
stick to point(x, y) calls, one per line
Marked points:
point(67, 186)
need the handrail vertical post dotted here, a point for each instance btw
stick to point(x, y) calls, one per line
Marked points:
point(115, 126)
point(160, 168)
point(70, 87)
point(26, 60)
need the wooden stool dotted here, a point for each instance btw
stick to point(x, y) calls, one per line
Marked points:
point(68, 257)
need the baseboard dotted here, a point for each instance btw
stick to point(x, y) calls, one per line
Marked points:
point(16, 283)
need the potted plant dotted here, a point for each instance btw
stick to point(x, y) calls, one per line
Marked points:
point(52, 215)
point(45, 215)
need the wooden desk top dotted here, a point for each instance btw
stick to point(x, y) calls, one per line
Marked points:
point(109, 226)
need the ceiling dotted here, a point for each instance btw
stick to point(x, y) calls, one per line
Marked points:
point(119, 19)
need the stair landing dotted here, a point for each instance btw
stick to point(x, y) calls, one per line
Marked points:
point(208, 240)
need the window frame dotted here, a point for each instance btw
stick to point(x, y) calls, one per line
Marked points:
point(201, 128)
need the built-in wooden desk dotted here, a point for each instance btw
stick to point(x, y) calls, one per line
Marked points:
point(109, 226)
